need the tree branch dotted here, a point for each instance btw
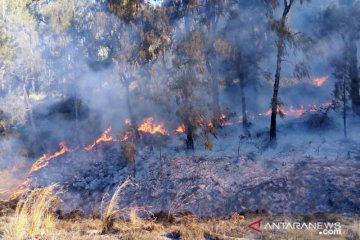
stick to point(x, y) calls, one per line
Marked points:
point(287, 7)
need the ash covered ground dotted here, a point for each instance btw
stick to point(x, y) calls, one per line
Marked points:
point(307, 172)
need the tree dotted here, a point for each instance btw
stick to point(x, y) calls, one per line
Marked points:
point(189, 67)
point(244, 41)
point(285, 37)
point(342, 20)
point(26, 67)
point(141, 36)
point(342, 89)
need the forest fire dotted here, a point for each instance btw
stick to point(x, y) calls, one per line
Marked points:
point(319, 81)
point(126, 136)
point(22, 189)
point(224, 122)
point(39, 164)
point(148, 127)
point(180, 129)
point(103, 138)
point(291, 111)
point(44, 160)
point(297, 112)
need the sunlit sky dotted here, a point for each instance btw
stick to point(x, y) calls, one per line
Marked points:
point(155, 2)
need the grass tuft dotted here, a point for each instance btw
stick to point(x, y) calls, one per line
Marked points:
point(110, 213)
point(33, 215)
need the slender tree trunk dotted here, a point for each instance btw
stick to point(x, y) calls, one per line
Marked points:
point(280, 53)
point(189, 126)
point(189, 138)
point(241, 74)
point(354, 77)
point(131, 114)
point(214, 91)
point(344, 107)
point(76, 107)
point(256, 87)
point(29, 108)
point(245, 122)
point(274, 100)
point(134, 168)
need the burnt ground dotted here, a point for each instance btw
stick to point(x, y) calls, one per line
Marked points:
point(208, 185)
point(311, 170)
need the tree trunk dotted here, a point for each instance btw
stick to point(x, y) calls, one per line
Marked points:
point(214, 91)
point(189, 138)
point(76, 107)
point(344, 107)
point(29, 108)
point(131, 114)
point(354, 77)
point(274, 100)
point(134, 168)
point(280, 53)
point(245, 122)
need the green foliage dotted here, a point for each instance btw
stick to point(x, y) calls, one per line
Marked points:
point(6, 49)
point(125, 9)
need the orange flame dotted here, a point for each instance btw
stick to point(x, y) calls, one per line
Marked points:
point(148, 127)
point(22, 189)
point(180, 129)
point(267, 113)
point(222, 117)
point(105, 137)
point(294, 111)
point(297, 112)
point(127, 136)
point(319, 81)
point(291, 111)
point(44, 160)
point(231, 123)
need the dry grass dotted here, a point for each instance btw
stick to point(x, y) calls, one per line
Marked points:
point(33, 215)
point(184, 227)
point(112, 210)
point(33, 219)
point(355, 229)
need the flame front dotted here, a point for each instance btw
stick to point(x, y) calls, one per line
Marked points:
point(22, 189)
point(148, 127)
point(319, 81)
point(127, 135)
point(180, 129)
point(297, 112)
point(291, 111)
point(105, 137)
point(44, 160)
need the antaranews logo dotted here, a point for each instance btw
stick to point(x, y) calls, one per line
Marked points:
point(324, 228)
point(256, 226)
